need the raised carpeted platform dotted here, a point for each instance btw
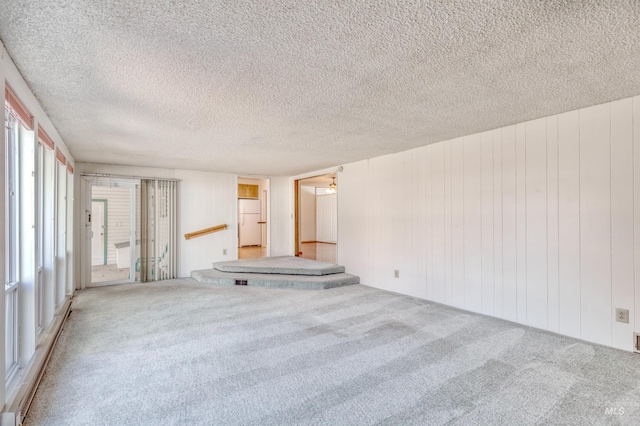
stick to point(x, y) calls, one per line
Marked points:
point(305, 282)
point(277, 272)
point(287, 265)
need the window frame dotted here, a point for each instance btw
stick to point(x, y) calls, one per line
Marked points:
point(12, 236)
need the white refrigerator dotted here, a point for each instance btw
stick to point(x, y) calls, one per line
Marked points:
point(249, 232)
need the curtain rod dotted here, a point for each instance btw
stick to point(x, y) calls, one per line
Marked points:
point(109, 175)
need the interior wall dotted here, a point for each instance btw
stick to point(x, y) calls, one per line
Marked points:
point(118, 217)
point(281, 216)
point(326, 218)
point(205, 199)
point(534, 223)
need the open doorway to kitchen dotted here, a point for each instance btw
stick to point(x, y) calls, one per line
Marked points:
point(253, 220)
point(316, 218)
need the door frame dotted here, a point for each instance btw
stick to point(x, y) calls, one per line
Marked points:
point(87, 181)
point(266, 213)
point(296, 205)
point(105, 218)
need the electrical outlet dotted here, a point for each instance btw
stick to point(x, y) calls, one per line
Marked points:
point(224, 252)
point(396, 273)
point(622, 315)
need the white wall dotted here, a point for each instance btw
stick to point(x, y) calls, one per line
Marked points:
point(281, 216)
point(118, 217)
point(534, 223)
point(205, 199)
point(307, 213)
point(326, 218)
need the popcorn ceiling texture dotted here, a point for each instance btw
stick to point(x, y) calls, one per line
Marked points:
point(285, 87)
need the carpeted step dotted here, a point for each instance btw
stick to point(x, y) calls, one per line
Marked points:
point(306, 282)
point(287, 265)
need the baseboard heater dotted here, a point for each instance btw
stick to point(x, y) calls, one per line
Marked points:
point(17, 409)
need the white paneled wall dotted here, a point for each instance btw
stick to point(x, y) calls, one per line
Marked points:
point(326, 218)
point(534, 223)
point(281, 217)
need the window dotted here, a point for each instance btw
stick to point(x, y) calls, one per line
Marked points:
point(12, 244)
point(40, 172)
point(61, 231)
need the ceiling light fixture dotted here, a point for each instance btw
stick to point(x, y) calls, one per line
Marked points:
point(332, 186)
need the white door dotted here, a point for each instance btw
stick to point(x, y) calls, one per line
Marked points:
point(97, 228)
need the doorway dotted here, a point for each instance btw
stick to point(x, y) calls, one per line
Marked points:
point(253, 229)
point(113, 223)
point(316, 218)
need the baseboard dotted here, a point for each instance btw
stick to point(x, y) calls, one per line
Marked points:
point(24, 390)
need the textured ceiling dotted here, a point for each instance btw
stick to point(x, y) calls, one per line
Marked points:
point(285, 87)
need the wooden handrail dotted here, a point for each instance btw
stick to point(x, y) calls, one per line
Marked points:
point(205, 231)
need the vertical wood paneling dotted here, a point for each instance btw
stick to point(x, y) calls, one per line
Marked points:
point(390, 224)
point(569, 223)
point(509, 225)
point(397, 220)
point(376, 219)
point(472, 224)
point(392, 218)
point(487, 241)
point(521, 223)
point(497, 222)
point(533, 223)
point(353, 207)
point(429, 241)
point(408, 264)
point(422, 222)
point(552, 223)
point(457, 221)
point(536, 222)
point(622, 219)
point(437, 215)
point(413, 261)
point(447, 225)
point(636, 207)
point(595, 224)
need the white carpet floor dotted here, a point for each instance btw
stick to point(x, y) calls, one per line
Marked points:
point(180, 352)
